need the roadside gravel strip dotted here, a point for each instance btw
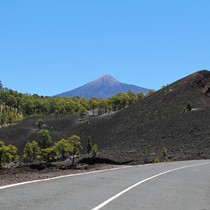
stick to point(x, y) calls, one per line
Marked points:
point(13, 176)
point(60, 177)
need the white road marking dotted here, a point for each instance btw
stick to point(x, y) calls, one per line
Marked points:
point(60, 177)
point(145, 180)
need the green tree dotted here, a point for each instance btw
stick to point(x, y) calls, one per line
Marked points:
point(11, 101)
point(11, 153)
point(56, 114)
point(93, 103)
point(103, 106)
point(140, 96)
point(2, 152)
point(31, 151)
point(63, 148)
point(1, 87)
point(76, 147)
point(89, 145)
point(7, 153)
point(44, 139)
point(27, 105)
point(82, 111)
point(150, 92)
point(48, 154)
point(119, 101)
point(189, 106)
point(94, 150)
point(39, 124)
point(132, 98)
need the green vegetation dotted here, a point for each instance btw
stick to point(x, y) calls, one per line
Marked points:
point(45, 150)
point(63, 148)
point(89, 145)
point(163, 157)
point(150, 92)
point(92, 149)
point(189, 106)
point(164, 152)
point(48, 154)
point(7, 153)
point(157, 160)
point(95, 150)
point(31, 151)
point(60, 150)
point(15, 106)
point(40, 124)
point(76, 146)
point(44, 139)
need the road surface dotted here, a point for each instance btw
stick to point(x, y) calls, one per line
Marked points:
point(175, 186)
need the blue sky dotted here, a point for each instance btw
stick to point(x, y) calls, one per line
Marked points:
point(48, 47)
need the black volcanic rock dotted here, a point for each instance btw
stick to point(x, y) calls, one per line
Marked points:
point(140, 132)
point(103, 87)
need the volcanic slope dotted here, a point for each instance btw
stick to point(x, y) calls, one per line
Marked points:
point(139, 133)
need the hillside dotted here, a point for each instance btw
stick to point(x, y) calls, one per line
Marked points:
point(103, 87)
point(139, 133)
point(159, 121)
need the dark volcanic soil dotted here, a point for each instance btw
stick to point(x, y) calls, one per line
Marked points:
point(26, 173)
point(139, 133)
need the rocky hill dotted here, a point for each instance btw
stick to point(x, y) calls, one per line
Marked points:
point(103, 87)
point(139, 133)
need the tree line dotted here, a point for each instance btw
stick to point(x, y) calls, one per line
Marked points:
point(15, 106)
point(44, 149)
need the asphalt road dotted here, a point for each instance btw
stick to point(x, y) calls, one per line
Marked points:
point(175, 186)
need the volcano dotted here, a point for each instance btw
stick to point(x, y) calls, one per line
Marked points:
point(103, 87)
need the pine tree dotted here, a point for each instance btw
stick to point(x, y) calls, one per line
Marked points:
point(89, 145)
point(94, 150)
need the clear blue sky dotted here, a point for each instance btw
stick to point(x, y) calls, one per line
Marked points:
point(51, 46)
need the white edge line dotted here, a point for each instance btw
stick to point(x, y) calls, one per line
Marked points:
point(138, 183)
point(60, 177)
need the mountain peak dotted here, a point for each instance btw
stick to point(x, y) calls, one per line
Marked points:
point(103, 87)
point(106, 76)
point(107, 79)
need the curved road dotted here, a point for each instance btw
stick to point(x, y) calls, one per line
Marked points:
point(164, 186)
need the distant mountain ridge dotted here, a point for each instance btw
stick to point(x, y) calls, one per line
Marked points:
point(103, 87)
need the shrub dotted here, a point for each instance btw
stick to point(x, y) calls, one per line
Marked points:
point(94, 150)
point(157, 159)
point(89, 145)
point(48, 154)
point(164, 152)
point(40, 124)
point(189, 106)
point(44, 139)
